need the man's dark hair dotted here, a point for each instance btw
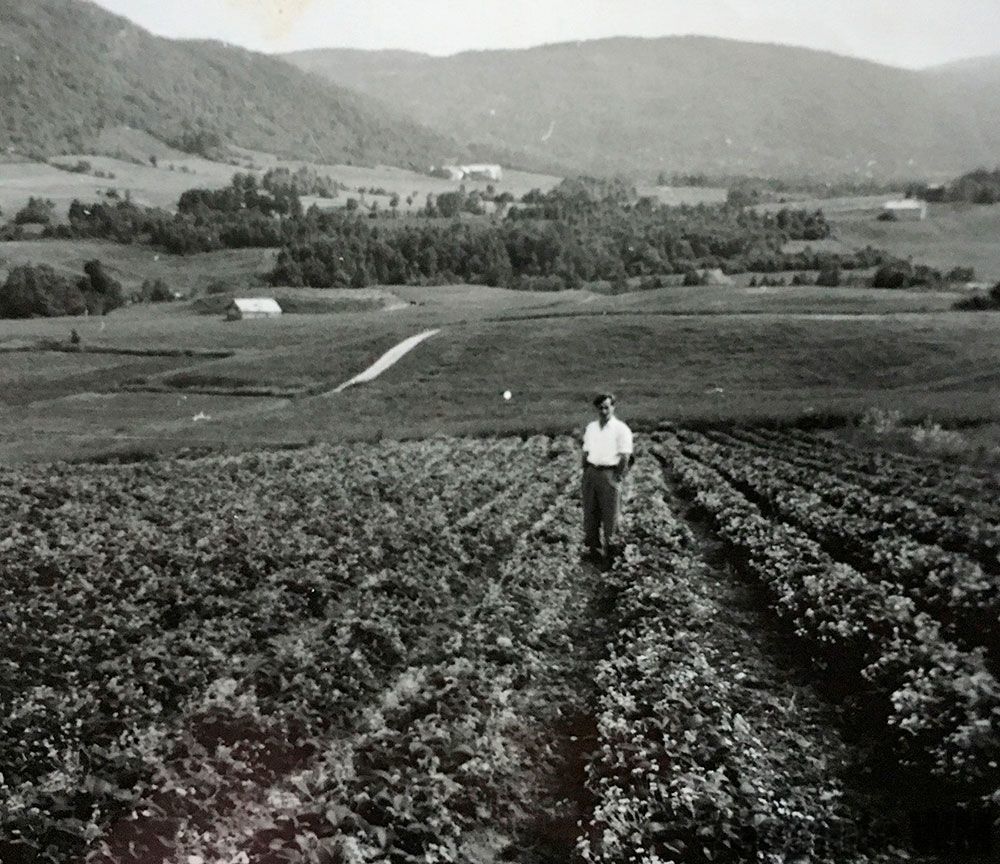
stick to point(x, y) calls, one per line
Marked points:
point(600, 397)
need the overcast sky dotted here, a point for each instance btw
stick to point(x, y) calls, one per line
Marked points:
point(910, 33)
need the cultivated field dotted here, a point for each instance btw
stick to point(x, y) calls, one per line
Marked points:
point(392, 652)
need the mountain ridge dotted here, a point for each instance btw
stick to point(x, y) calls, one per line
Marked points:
point(616, 104)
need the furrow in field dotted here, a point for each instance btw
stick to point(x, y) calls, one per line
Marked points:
point(912, 693)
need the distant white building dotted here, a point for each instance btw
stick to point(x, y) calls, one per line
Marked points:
point(906, 208)
point(252, 307)
point(479, 171)
point(482, 172)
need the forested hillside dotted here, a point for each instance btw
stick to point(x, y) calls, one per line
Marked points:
point(691, 103)
point(69, 69)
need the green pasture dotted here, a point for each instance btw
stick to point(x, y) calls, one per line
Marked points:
point(551, 350)
point(952, 235)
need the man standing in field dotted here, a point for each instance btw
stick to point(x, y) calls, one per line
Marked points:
point(607, 456)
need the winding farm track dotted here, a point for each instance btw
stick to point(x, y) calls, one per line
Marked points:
point(386, 360)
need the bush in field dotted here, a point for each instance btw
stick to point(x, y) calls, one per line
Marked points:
point(38, 291)
point(829, 278)
point(155, 291)
point(38, 211)
point(101, 292)
point(980, 302)
point(902, 274)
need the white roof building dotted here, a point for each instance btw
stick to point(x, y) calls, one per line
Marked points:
point(906, 208)
point(253, 307)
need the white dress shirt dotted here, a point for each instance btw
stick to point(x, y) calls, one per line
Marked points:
point(605, 446)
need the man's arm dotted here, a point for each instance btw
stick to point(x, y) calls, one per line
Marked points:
point(624, 454)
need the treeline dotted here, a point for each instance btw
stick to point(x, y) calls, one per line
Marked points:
point(770, 188)
point(581, 231)
point(244, 214)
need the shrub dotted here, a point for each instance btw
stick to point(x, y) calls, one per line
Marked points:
point(38, 211)
point(155, 291)
point(892, 276)
point(881, 421)
point(101, 292)
point(934, 438)
point(82, 166)
point(829, 278)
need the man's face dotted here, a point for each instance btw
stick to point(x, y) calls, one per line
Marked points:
point(606, 410)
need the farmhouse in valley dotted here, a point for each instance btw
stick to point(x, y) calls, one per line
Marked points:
point(906, 208)
point(479, 171)
point(252, 307)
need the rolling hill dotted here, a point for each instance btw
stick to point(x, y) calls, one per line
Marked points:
point(69, 70)
point(690, 104)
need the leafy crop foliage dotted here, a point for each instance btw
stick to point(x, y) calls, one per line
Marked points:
point(884, 616)
point(390, 652)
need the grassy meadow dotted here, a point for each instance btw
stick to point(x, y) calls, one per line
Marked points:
point(952, 235)
point(550, 350)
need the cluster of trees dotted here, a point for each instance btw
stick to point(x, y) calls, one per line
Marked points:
point(38, 211)
point(241, 215)
point(978, 187)
point(200, 141)
point(243, 193)
point(581, 231)
point(896, 273)
point(154, 291)
point(303, 181)
point(32, 291)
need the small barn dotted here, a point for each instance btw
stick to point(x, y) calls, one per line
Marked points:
point(243, 308)
point(906, 209)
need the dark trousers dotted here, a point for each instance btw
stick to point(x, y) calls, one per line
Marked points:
point(601, 502)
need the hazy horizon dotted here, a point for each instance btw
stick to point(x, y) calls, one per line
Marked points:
point(912, 35)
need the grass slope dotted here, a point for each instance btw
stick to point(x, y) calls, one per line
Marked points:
point(952, 235)
point(695, 368)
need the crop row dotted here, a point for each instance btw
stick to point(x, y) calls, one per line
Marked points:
point(956, 522)
point(934, 705)
point(939, 484)
point(448, 759)
point(694, 765)
point(952, 587)
point(292, 583)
